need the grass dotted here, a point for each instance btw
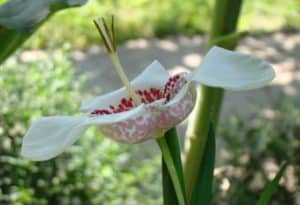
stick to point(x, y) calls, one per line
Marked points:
point(155, 18)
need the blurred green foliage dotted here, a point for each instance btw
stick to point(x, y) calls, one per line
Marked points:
point(253, 148)
point(156, 18)
point(20, 19)
point(95, 171)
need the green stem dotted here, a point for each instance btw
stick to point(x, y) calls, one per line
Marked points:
point(209, 100)
point(169, 194)
point(207, 109)
point(172, 169)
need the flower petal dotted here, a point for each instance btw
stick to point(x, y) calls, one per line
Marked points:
point(128, 127)
point(155, 75)
point(115, 117)
point(178, 108)
point(147, 121)
point(232, 70)
point(49, 136)
point(151, 120)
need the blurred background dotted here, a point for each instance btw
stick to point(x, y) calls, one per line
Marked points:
point(64, 63)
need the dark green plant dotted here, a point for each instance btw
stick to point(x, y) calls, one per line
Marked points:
point(266, 196)
point(19, 19)
point(202, 193)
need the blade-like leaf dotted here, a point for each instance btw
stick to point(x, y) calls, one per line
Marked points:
point(168, 188)
point(20, 18)
point(202, 192)
point(271, 188)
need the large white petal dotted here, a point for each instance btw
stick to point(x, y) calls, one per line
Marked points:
point(232, 70)
point(155, 76)
point(49, 136)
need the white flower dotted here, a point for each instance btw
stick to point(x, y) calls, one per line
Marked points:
point(166, 102)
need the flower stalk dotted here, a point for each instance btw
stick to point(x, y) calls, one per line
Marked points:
point(209, 99)
point(170, 164)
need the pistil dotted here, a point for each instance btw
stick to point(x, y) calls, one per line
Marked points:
point(109, 40)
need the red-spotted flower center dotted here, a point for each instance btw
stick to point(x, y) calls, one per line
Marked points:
point(150, 95)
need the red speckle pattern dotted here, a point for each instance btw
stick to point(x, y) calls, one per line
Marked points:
point(172, 86)
point(155, 118)
point(151, 123)
point(150, 95)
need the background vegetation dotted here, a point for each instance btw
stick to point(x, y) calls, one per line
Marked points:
point(93, 171)
point(156, 18)
point(99, 171)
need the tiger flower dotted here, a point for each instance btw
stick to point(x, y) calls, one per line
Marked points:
point(146, 107)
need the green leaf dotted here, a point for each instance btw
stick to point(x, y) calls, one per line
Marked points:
point(202, 192)
point(20, 18)
point(168, 188)
point(228, 41)
point(271, 188)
